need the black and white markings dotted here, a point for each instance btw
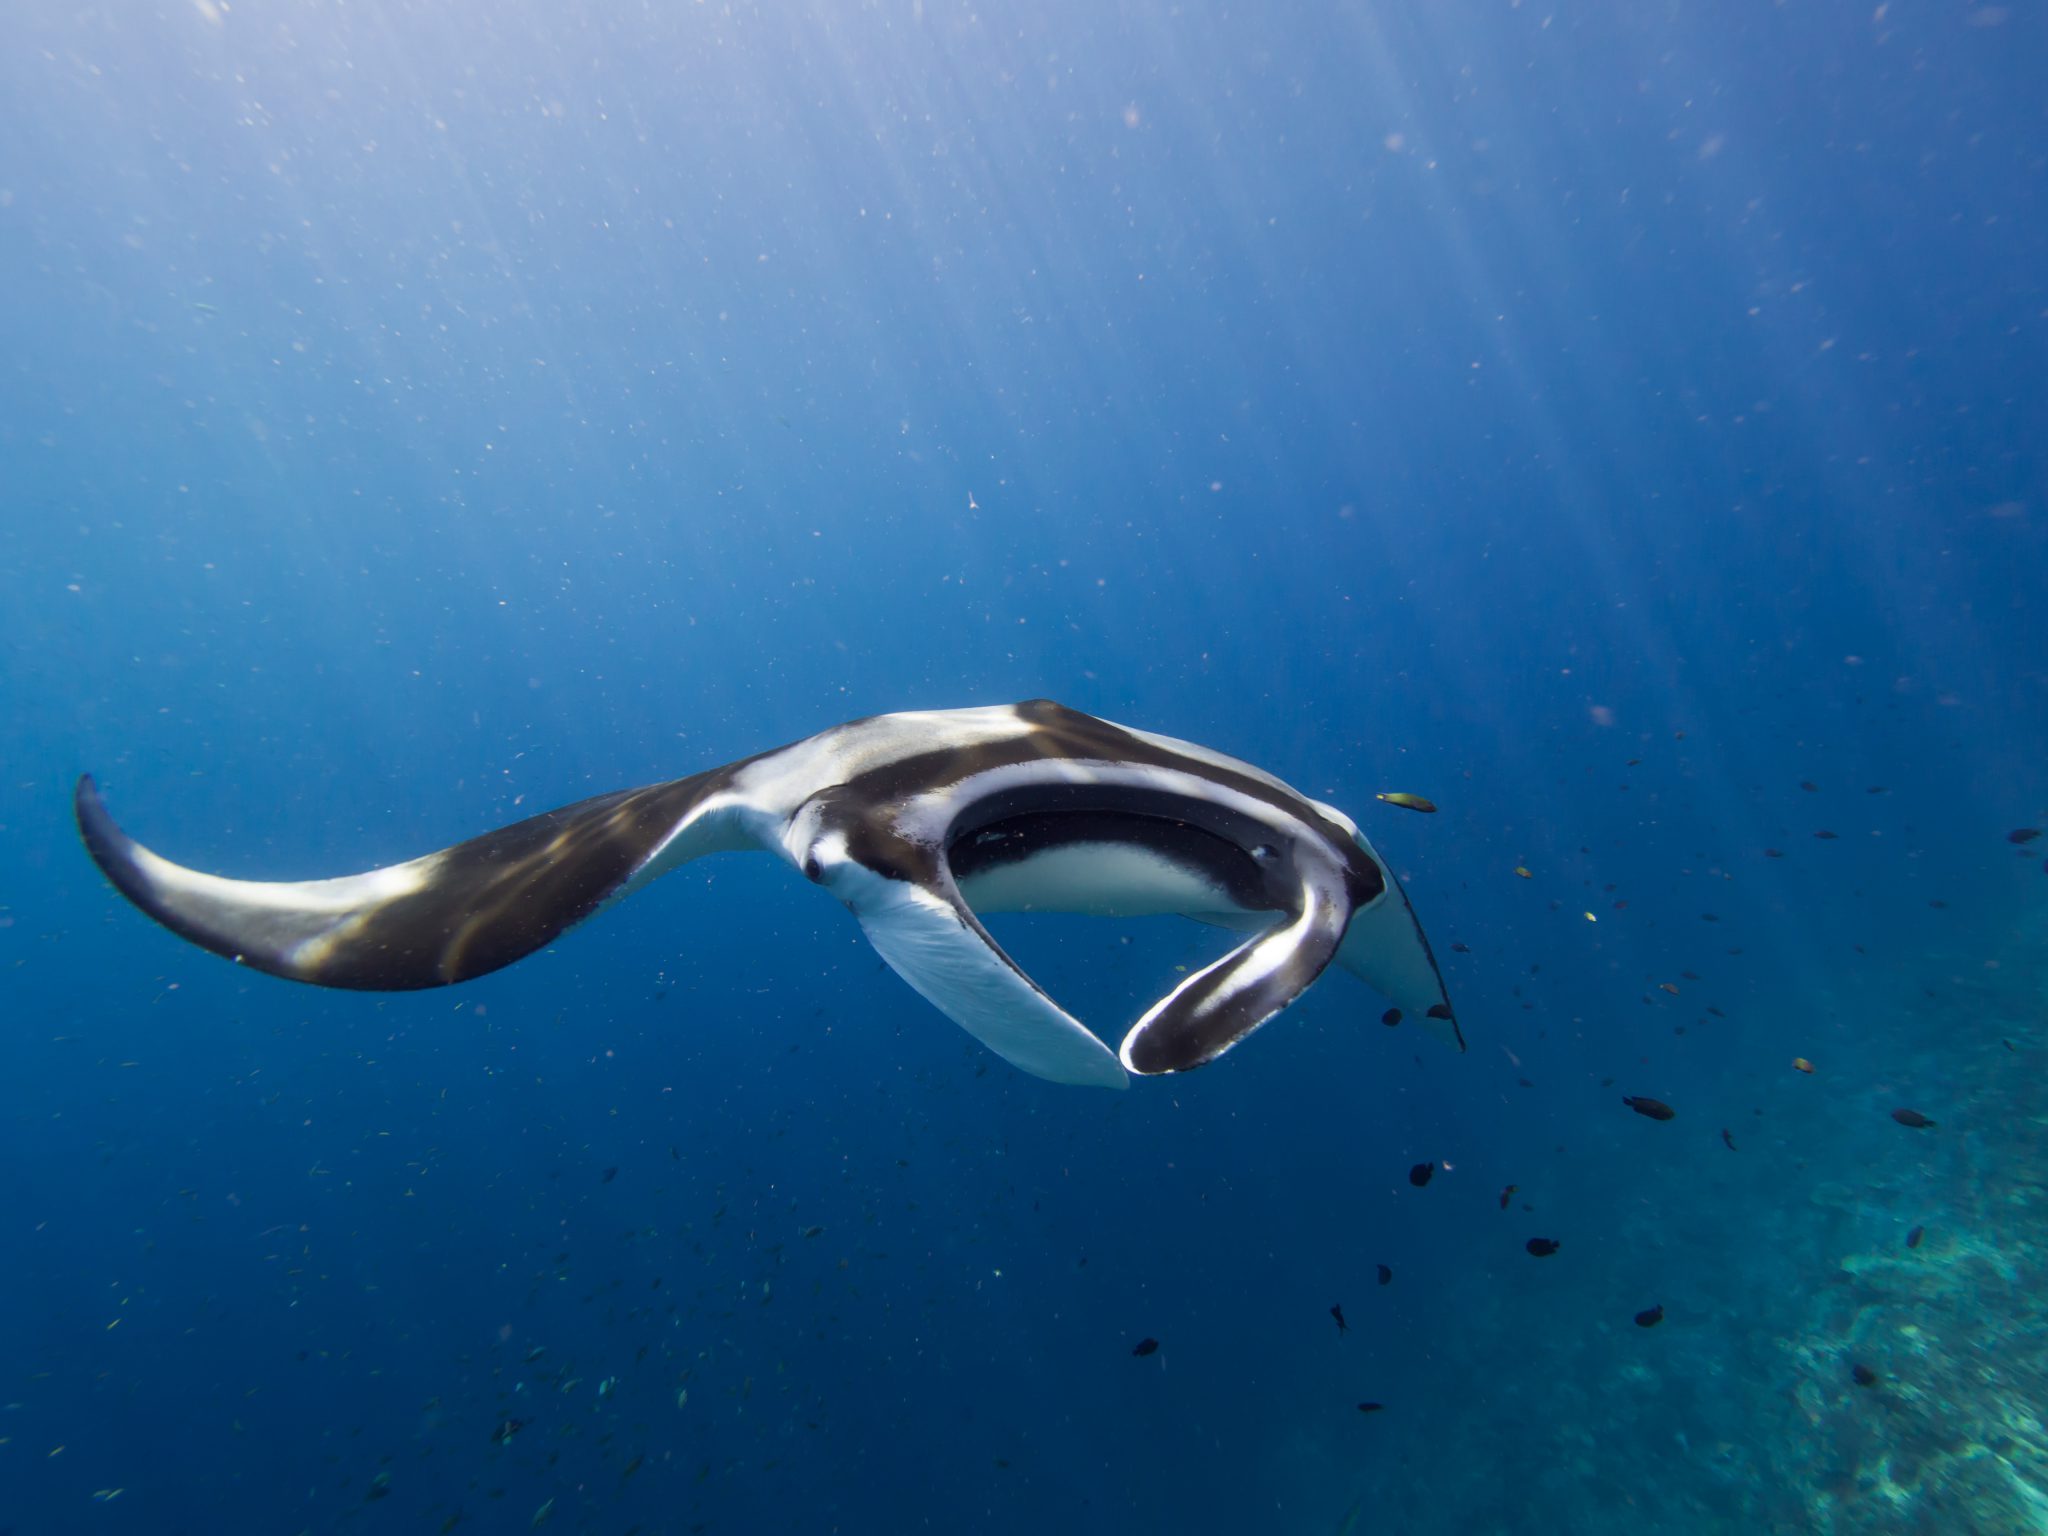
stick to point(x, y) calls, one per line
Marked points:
point(917, 822)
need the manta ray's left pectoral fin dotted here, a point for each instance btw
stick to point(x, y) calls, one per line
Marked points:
point(933, 941)
point(1223, 1002)
point(431, 921)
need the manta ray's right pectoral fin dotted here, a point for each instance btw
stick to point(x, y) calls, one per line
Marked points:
point(431, 921)
point(933, 941)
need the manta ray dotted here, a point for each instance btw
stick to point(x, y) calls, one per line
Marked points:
point(920, 823)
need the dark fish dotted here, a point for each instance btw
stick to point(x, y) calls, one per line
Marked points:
point(1144, 1347)
point(1541, 1247)
point(1913, 1118)
point(1774, 853)
point(608, 1175)
point(1650, 1317)
point(507, 1430)
point(1419, 1175)
point(1913, 1237)
point(811, 1231)
point(1337, 1311)
point(1386, 1275)
point(1506, 1195)
point(1865, 1376)
point(1370, 1407)
point(1726, 1139)
point(1391, 1017)
point(2020, 835)
point(1656, 1109)
point(1825, 836)
point(1461, 948)
point(1809, 786)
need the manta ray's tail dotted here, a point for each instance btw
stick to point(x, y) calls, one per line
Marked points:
point(447, 917)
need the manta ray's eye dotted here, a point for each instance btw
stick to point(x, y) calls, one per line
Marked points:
point(813, 870)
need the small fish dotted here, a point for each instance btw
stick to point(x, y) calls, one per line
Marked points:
point(1801, 1064)
point(1409, 802)
point(1370, 1407)
point(107, 1495)
point(1386, 1275)
point(505, 1431)
point(1145, 1347)
point(451, 1522)
point(1420, 1174)
point(1864, 1375)
point(1727, 1140)
point(1458, 947)
point(811, 1231)
point(2020, 836)
point(1391, 1017)
point(1541, 1247)
point(1650, 1317)
point(632, 1466)
point(1913, 1237)
point(1825, 836)
point(1774, 853)
point(1809, 786)
point(1337, 1311)
point(1508, 1194)
point(1913, 1118)
point(540, 1516)
point(1666, 986)
point(1655, 1109)
point(1523, 871)
point(608, 1175)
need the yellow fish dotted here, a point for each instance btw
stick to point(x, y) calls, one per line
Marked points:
point(1409, 802)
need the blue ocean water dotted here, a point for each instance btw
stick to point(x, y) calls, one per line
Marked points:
point(1623, 425)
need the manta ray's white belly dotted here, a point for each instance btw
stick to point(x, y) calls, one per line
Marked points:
point(1096, 880)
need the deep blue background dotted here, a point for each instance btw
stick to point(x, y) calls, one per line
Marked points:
point(413, 417)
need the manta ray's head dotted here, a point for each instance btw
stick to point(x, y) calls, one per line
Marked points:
point(833, 844)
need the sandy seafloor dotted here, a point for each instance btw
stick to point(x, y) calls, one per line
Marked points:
point(1741, 1411)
